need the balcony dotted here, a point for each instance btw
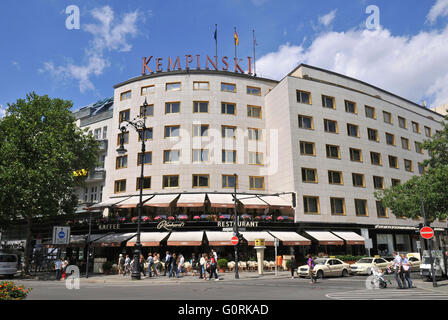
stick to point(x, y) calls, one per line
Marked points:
point(98, 175)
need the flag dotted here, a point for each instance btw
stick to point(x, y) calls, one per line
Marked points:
point(236, 38)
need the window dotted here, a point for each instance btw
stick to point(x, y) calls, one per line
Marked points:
point(358, 180)
point(147, 90)
point(375, 158)
point(201, 180)
point(381, 211)
point(105, 133)
point(303, 97)
point(256, 158)
point(254, 134)
point(307, 148)
point(328, 102)
point(311, 205)
point(200, 130)
point(229, 181)
point(390, 139)
point(352, 130)
point(147, 136)
point(355, 155)
point(170, 156)
point(306, 122)
point(120, 186)
point(126, 95)
point(309, 175)
point(228, 108)
point(330, 126)
point(350, 107)
point(405, 143)
point(173, 86)
point(337, 206)
point(121, 162)
point(378, 182)
point(172, 107)
point(200, 155)
point(408, 165)
point(147, 158)
point(415, 127)
point(146, 183)
point(254, 112)
point(418, 147)
point(97, 134)
point(171, 181)
point(228, 87)
point(428, 132)
point(201, 85)
point(124, 115)
point(228, 156)
point(335, 177)
point(370, 112)
point(402, 122)
point(421, 169)
point(124, 136)
point(395, 182)
point(393, 162)
point(200, 107)
point(147, 112)
point(228, 132)
point(254, 91)
point(361, 208)
point(372, 134)
point(333, 152)
point(172, 131)
point(387, 116)
point(256, 183)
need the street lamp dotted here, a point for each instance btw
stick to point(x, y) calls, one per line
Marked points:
point(140, 127)
point(235, 227)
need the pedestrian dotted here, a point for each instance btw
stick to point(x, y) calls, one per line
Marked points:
point(58, 268)
point(150, 262)
point(65, 264)
point(180, 265)
point(167, 263)
point(406, 269)
point(213, 267)
point(194, 264)
point(293, 264)
point(202, 266)
point(310, 264)
point(142, 264)
point(172, 265)
point(156, 264)
point(121, 262)
point(397, 266)
point(127, 265)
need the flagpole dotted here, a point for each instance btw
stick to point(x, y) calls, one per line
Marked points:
point(216, 41)
point(234, 40)
point(255, 68)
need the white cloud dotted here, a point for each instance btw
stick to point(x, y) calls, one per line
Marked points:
point(413, 67)
point(328, 18)
point(108, 35)
point(440, 9)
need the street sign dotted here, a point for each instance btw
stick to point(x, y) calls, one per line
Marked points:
point(234, 240)
point(61, 235)
point(427, 233)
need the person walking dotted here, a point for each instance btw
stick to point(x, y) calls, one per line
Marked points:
point(58, 268)
point(156, 264)
point(127, 265)
point(172, 265)
point(194, 264)
point(167, 263)
point(406, 269)
point(121, 261)
point(213, 267)
point(202, 265)
point(293, 266)
point(397, 267)
point(65, 264)
point(142, 264)
point(150, 262)
point(310, 264)
point(180, 265)
point(215, 255)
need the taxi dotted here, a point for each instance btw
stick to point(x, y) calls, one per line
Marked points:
point(326, 267)
point(366, 265)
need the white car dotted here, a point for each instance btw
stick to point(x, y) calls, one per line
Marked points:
point(364, 266)
point(324, 267)
point(8, 264)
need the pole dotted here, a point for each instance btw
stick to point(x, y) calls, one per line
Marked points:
point(255, 43)
point(216, 43)
point(235, 227)
point(276, 244)
point(234, 40)
point(88, 244)
point(428, 243)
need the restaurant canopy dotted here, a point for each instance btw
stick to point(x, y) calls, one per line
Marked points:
point(188, 238)
point(325, 238)
point(219, 238)
point(107, 203)
point(148, 239)
point(252, 202)
point(113, 240)
point(132, 202)
point(75, 241)
point(277, 201)
point(350, 237)
point(251, 236)
point(191, 200)
point(290, 238)
point(221, 200)
point(161, 200)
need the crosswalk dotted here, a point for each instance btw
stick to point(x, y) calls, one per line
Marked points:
point(388, 294)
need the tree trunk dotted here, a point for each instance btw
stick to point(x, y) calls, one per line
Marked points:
point(28, 246)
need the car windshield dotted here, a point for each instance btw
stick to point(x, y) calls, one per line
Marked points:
point(365, 260)
point(8, 258)
point(320, 261)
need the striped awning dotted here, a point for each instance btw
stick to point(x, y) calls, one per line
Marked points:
point(161, 200)
point(132, 202)
point(350, 237)
point(251, 236)
point(219, 238)
point(277, 201)
point(148, 239)
point(188, 238)
point(291, 238)
point(252, 202)
point(325, 238)
point(191, 200)
point(107, 203)
point(113, 240)
point(221, 200)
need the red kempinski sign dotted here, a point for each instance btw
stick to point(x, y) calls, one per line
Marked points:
point(234, 240)
point(427, 233)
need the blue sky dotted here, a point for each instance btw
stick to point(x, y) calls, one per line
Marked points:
point(40, 54)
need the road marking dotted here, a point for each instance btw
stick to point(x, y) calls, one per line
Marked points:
point(386, 294)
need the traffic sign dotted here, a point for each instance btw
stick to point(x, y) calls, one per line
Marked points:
point(427, 233)
point(61, 235)
point(234, 240)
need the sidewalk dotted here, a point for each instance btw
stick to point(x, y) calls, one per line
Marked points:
point(442, 285)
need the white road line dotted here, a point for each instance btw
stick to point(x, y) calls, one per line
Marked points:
point(380, 294)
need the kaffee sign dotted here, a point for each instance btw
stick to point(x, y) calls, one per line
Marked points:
point(151, 64)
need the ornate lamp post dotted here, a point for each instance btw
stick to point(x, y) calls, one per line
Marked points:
point(140, 127)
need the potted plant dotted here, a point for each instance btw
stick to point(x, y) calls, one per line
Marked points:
point(134, 219)
point(222, 265)
point(107, 267)
point(10, 291)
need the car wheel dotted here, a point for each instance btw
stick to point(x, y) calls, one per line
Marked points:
point(320, 274)
point(345, 273)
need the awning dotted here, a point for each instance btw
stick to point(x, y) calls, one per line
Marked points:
point(113, 240)
point(291, 238)
point(132, 202)
point(189, 238)
point(277, 201)
point(148, 239)
point(219, 238)
point(221, 200)
point(251, 236)
point(107, 203)
point(325, 238)
point(161, 200)
point(350, 237)
point(252, 202)
point(75, 241)
point(191, 200)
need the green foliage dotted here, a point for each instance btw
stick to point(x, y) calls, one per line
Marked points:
point(9, 291)
point(288, 264)
point(222, 263)
point(107, 266)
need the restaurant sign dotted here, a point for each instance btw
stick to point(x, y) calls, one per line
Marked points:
point(167, 225)
point(109, 226)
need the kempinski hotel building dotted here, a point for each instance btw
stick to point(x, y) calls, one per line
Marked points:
point(306, 155)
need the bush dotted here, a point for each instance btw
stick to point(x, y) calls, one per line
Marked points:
point(222, 263)
point(107, 266)
point(9, 291)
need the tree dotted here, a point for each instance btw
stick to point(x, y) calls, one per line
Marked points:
point(41, 147)
point(405, 199)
